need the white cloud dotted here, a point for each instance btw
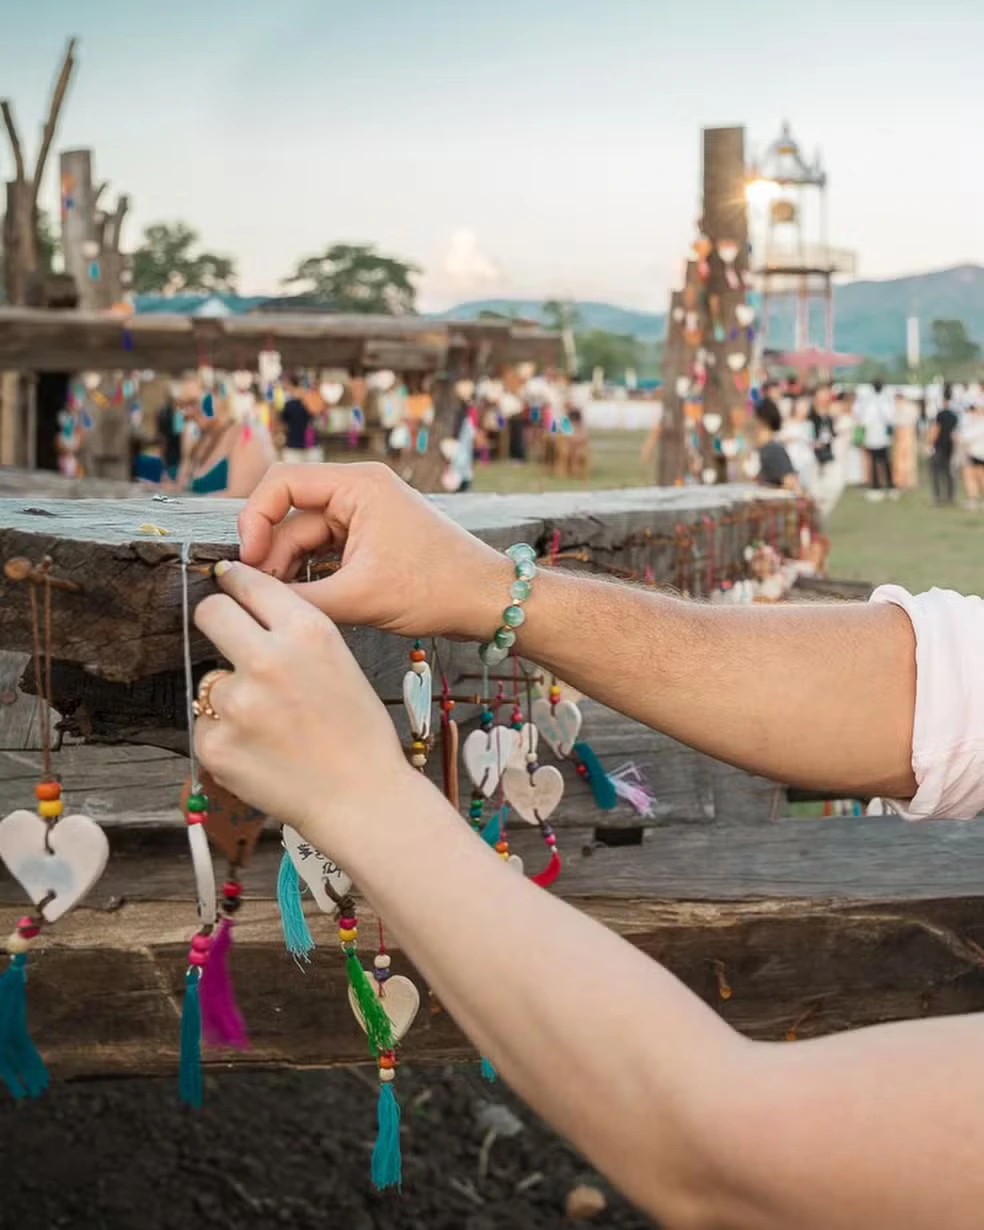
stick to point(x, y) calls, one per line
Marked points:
point(466, 265)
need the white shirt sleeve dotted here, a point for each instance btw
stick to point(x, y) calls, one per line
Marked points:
point(948, 729)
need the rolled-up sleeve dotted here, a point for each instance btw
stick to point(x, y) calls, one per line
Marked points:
point(948, 728)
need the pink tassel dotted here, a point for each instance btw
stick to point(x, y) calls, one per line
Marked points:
point(222, 1023)
point(552, 870)
point(629, 785)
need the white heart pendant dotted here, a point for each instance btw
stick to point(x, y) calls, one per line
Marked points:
point(744, 314)
point(317, 870)
point(64, 868)
point(486, 754)
point(559, 724)
point(534, 796)
point(736, 361)
point(400, 999)
point(417, 700)
point(515, 863)
point(527, 740)
point(712, 424)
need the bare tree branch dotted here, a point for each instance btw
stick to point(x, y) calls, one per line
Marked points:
point(122, 207)
point(15, 145)
point(54, 110)
point(98, 193)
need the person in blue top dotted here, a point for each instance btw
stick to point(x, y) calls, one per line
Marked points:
point(229, 458)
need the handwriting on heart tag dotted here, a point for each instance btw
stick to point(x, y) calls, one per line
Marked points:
point(233, 826)
point(317, 870)
point(535, 796)
point(486, 754)
point(559, 724)
point(400, 999)
point(68, 865)
point(417, 700)
point(527, 739)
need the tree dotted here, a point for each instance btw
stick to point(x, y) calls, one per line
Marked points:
point(560, 314)
point(167, 263)
point(615, 353)
point(354, 277)
point(951, 343)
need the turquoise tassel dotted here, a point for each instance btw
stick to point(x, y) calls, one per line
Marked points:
point(601, 787)
point(488, 1072)
point(387, 1164)
point(22, 1069)
point(190, 1063)
point(493, 830)
point(297, 935)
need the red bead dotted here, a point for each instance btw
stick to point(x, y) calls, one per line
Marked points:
point(197, 817)
point(582, 770)
point(47, 792)
point(418, 655)
point(197, 958)
point(200, 943)
point(550, 839)
point(232, 888)
point(447, 705)
point(28, 927)
point(348, 924)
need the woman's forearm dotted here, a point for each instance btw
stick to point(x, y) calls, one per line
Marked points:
point(820, 696)
point(604, 1043)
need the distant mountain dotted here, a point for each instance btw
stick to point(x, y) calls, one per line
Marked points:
point(869, 317)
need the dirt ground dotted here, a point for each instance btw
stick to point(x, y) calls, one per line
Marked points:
point(286, 1149)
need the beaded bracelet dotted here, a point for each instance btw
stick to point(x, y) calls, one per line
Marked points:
point(497, 650)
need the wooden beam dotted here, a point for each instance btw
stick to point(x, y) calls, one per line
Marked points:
point(797, 929)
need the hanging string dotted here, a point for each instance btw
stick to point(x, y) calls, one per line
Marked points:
point(189, 674)
point(42, 669)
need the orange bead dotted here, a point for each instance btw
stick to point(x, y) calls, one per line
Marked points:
point(386, 1062)
point(47, 792)
point(502, 846)
point(418, 655)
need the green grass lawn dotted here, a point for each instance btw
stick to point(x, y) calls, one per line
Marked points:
point(614, 463)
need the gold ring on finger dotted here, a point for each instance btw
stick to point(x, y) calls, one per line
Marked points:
point(202, 706)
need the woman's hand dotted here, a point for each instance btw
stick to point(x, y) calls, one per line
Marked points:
point(405, 566)
point(300, 733)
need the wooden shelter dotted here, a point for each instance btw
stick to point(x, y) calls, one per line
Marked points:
point(789, 926)
point(71, 341)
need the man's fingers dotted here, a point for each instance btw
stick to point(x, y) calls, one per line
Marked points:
point(231, 629)
point(284, 487)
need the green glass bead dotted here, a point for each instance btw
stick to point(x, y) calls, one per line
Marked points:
point(513, 616)
point(490, 653)
point(196, 804)
point(525, 570)
point(505, 638)
point(520, 590)
point(522, 550)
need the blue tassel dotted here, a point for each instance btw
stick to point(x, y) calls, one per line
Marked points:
point(604, 792)
point(488, 1072)
point(190, 1063)
point(493, 830)
point(22, 1069)
point(387, 1164)
point(297, 935)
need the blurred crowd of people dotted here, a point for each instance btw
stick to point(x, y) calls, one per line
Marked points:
point(818, 440)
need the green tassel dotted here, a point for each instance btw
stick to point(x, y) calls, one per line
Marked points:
point(387, 1163)
point(601, 784)
point(488, 1072)
point(22, 1069)
point(297, 934)
point(379, 1028)
point(190, 1063)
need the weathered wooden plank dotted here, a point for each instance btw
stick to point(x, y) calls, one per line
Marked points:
point(46, 484)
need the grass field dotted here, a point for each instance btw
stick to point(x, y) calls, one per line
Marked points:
point(910, 542)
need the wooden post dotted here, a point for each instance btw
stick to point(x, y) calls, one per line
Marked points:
point(424, 471)
point(90, 235)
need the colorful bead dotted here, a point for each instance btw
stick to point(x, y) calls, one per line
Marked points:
point(531, 760)
point(525, 570)
point(387, 1061)
point(418, 655)
point(197, 817)
point(348, 934)
point(28, 927)
point(447, 705)
point(513, 616)
point(196, 803)
point(419, 668)
point(551, 839)
point(554, 693)
point(232, 888)
point(505, 638)
point(348, 923)
point(582, 769)
point(382, 960)
point(17, 944)
point(386, 1075)
point(197, 958)
point(46, 792)
point(418, 760)
point(200, 942)
point(492, 654)
point(520, 551)
point(487, 717)
point(418, 745)
point(50, 809)
point(502, 846)
point(520, 590)
point(380, 974)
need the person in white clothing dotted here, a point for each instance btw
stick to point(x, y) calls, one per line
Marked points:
point(879, 1128)
point(972, 440)
point(875, 412)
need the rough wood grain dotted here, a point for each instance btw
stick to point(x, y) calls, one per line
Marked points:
point(801, 929)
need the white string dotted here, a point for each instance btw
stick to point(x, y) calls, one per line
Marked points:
point(188, 672)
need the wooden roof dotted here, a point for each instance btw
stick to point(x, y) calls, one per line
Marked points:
point(38, 340)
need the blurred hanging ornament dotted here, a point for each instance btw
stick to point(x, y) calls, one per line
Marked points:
point(270, 367)
point(736, 360)
point(712, 424)
point(730, 448)
point(464, 390)
point(331, 392)
point(744, 314)
point(703, 247)
point(682, 386)
point(728, 251)
point(678, 313)
point(709, 475)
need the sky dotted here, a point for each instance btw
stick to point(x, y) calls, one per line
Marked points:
point(515, 148)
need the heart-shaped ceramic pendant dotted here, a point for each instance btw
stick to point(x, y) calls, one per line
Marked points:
point(486, 754)
point(534, 796)
point(559, 724)
point(682, 386)
point(233, 827)
point(751, 465)
point(62, 860)
point(727, 250)
point(729, 448)
point(417, 700)
point(449, 448)
point(331, 392)
point(515, 863)
point(712, 424)
point(744, 314)
point(317, 870)
point(527, 739)
point(400, 999)
point(736, 361)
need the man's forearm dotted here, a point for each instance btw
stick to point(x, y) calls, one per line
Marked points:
point(819, 696)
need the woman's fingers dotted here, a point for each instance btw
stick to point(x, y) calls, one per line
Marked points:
point(231, 629)
point(297, 535)
point(270, 602)
point(282, 488)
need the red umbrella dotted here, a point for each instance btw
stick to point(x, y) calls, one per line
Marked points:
point(814, 357)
